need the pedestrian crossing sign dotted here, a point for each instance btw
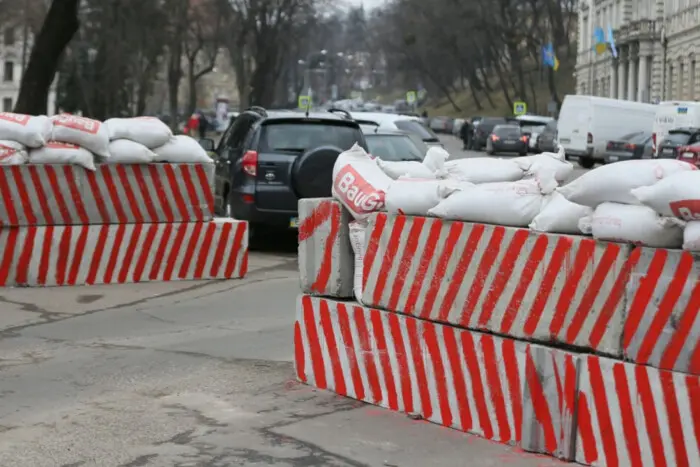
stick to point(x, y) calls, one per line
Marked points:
point(411, 97)
point(304, 102)
point(519, 108)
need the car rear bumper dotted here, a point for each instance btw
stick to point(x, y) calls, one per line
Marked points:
point(277, 219)
point(518, 147)
point(613, 156)
point(574, 154)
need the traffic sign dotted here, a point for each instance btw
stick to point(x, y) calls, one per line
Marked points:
point(519, 108)
point(411, 97)
point(304, 102)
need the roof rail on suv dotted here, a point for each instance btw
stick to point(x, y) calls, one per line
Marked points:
point(343, 112)
point(258, 110)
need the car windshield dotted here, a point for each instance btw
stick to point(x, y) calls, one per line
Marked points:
point(677, 138)
point(300, 137)
point(488, 124)
point(507, 131)
point(640, 138)
point(417, 128)
point(395, 148)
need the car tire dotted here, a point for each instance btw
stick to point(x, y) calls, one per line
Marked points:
point(586, 162)
point(312, 172)
point(523, 154)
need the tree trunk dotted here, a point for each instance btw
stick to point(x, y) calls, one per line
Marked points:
point(191, 88)
point(174, 76)
point(59, 27)
point(476, 98)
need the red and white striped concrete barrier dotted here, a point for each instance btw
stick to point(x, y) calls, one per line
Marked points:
point(662, 326)
point(516, 282)
point(326, 260)
point(114, 194)
point(119, 253)
point(635, 415)
point(466, 380)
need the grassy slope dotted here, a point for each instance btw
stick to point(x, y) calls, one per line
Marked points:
point(565, 85)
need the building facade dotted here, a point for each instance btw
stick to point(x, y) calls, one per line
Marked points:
point(656, 43)
point(14, 54)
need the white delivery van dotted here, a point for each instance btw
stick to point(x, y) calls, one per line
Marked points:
point(587, 123)
point(670, 115)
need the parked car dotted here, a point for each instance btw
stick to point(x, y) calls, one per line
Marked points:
point(439, 124)
point(587, 123)
point(532, 126)
point(506, 138)
point(547, 139)
point(449, 125)
point(637, 145)
point(690, 153)
point(267, 161)
point(673, 114)
point(394, 145)
point(675, 139)
point(484, 129)
point(403, 123)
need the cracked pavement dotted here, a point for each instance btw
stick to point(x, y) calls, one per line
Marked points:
point(192, 374)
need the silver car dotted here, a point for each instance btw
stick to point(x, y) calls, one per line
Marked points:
point(637, 145)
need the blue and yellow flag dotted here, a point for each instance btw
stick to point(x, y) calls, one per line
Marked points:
point(548, 57)
point(611, 42)
point(600, 45)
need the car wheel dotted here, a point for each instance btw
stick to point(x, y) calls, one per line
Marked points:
point(586, 162)
point(312, 172)
point(523, 154)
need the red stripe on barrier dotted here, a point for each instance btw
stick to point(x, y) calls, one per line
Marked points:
point(531, 265)
point(235, 250)
point(460, 387)
point(76, 197)
point(478, 389)
point(162, 196)
point(8, 254)
point(45, 255)
point(324, 272)
point(175, 251)
point(645, 396)
point(332, 347)
point(421, 375)
point(585, 430)
point(372, 247)
point(113, 194)
point(348, 342)
point(503, 273)
point(162, 249)
point(190, 251)
point(175, 188)
point(78, 254)
point(539, 405)
point(24, 260)
point(57, 194)
point(584, 256)
point(97, 196)
point(299, 357)
point(63, 255)
point(446, 254)
point(368, 359)
point(402, 359)
point(404, 264)
point(8, 199)
point(433, 348)
point(192, 192)
point(146, 250)
point(205, 186)
point(419, 280)
point(129, 192)
point(647, 285)
point(602, 407)
point(382, 353)
point(493, 378)
point(128, 259)
point(148, 200)
point(388, 260)
point(314, 343)
point(27, 207)
point(220, 249)
point(114, 254)
point(629, 424)
point(40, 194)
point(97, 254)
point(488, 258)
point(204, 251)
point(683, 328)
point(318, 216)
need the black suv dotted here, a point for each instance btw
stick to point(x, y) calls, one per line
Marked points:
point(267, 161)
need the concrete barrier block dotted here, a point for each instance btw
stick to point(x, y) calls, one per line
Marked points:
point(498, 388)
point(120, 253)
point(662, 326)
point(516, 282)
point(636, 415)
point(549, 401)
point(326, 260)
point(114, 194)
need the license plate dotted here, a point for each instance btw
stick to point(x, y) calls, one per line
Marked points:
point(565, 140)
point(294, 222)
point(613, 158)
point(688, 155)
point(668, 151)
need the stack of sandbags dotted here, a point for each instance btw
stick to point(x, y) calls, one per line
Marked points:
point(618, 214)
point(676, 197)
point(132, 140)
point(19, 133)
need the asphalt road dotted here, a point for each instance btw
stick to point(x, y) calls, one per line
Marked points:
point(192, 374)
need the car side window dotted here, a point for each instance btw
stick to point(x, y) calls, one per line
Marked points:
point(694, 138)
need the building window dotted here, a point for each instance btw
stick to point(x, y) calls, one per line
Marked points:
point(681, 89)
point(669, 84)
point(9, 72)
point(7, 104)
point(691, 81)
point(9, 38)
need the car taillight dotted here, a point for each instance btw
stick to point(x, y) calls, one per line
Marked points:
point(653, 142)
point(630, 147)
point(494, 138)
point(609, 145)
point(250, 163)
point(590, 139)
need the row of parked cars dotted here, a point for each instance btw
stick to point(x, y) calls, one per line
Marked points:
point(267, 160)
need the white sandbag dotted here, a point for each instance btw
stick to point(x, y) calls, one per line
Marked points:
point(559, 215)
point(505, 203)
point(124, 151)
point(149, 131)
point(639, 225)
point(28, 130)
point(358, 183)
point(84, 132)
point(613, 182)
point(57, 152)
point(357, 240)
point(13, 153)
point(415, 197)
point(484, 170)
point(546, 161)
point(691, 236)
point(677, 195)
point(182, 149)
point(435, 160)
point(396, 169)
point(585, 224)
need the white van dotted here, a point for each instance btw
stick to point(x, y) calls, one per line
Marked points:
point(587, 123)
point(670, 115)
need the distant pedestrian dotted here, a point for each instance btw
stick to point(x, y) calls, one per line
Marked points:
point(192, 125)
point(203, 126)
point(424, 114)
point(466, 133)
